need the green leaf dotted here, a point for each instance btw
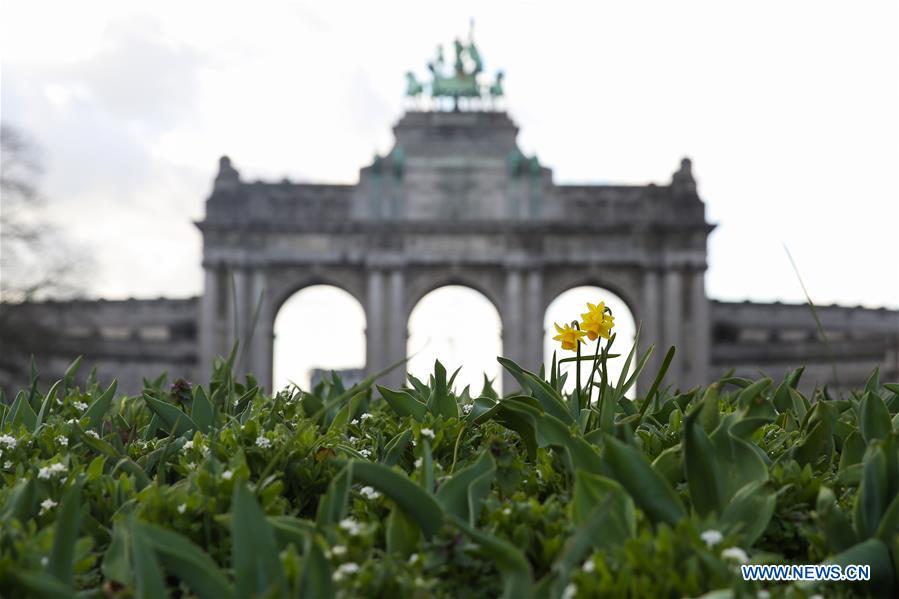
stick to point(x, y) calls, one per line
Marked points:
point(185, 560)
point(670, 464)
point(872, 499)
point(548, 397)
point(148, 576)
point(396, 447)
point(98, 408)
point(875, 554)
point(402, 533)
point(45, 405)
point(201, 410)
point(43, 586)
point(412, 499)
point(21, 412)
point(700, 464)
point(511, 562)
point(170, 417)
point(20, 501)
point(65, 535)
point(590, 533)
point(853, 450)
point(739, 462)
point(873, 417)
point(404, 404)
point(315, 579)
point(440, 402)
point(650, 491)
point(750, 510)
point(837, 529)
point(618, 521)
point(753, 391)
point(333, 505)
point(873, 384)
point(463, 494)
point(69, 376)
point(517, 415)
point(117, 558)
point(257, 567)
point(709, 414)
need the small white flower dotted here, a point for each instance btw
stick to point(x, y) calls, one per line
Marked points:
point(48, 471)
point(570, 591)
point(466, 409)
point(365, 453)
point(45, 560)
point(7, 464)
point(588, 566)
point(413, 558)
point(47, 505)
point(262, 442)
point(369, 493)
point(365, 416)
point(338, 550)
point(8, 440)
point(80, 406)
point(188, 445)
point(711, 537)
point(426, 432)
point(182, 508)
point(351, 526)
point(736, 554)
point(227, 475)
point(72, 421)
point(418, 462)
point(92, 434)
point(507, 511)
point(354, 421)
point(63, 440)
point(343, 570)
point(353, 439)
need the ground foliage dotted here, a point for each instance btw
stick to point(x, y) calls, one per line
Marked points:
point(220, 490)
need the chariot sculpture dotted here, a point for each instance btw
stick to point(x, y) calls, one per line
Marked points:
point(458, 81)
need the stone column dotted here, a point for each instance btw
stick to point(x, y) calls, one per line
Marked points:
point(261, 344)
point(211, 305)
point(651, 317)
point(514, 325)
point(396, 330)
point(700, 330)
point(673, 316)
point(237, 317)
point(375, 343)
point(533, 322)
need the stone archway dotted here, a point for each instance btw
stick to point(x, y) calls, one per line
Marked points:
point(318, 326)
point(456, 183)
point(460, 326)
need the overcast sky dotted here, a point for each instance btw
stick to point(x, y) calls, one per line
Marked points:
point(788, 110)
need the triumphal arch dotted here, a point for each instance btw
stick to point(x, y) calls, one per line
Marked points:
point(455, 201)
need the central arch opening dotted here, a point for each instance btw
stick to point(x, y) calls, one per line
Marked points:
point(461, 327)
point(318, 329)
point(568, 306)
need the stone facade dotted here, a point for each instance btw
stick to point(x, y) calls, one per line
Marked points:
point(457, 202)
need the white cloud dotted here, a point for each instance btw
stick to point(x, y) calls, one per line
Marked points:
point(788, 111)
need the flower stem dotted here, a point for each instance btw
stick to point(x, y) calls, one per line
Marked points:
point(578, 371)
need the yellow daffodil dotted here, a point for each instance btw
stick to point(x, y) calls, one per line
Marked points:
point(568, 336)
point(596, 322)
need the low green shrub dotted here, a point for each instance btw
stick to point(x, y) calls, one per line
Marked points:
point(224, 491)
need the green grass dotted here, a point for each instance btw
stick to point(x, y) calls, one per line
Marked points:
point(220, 490)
